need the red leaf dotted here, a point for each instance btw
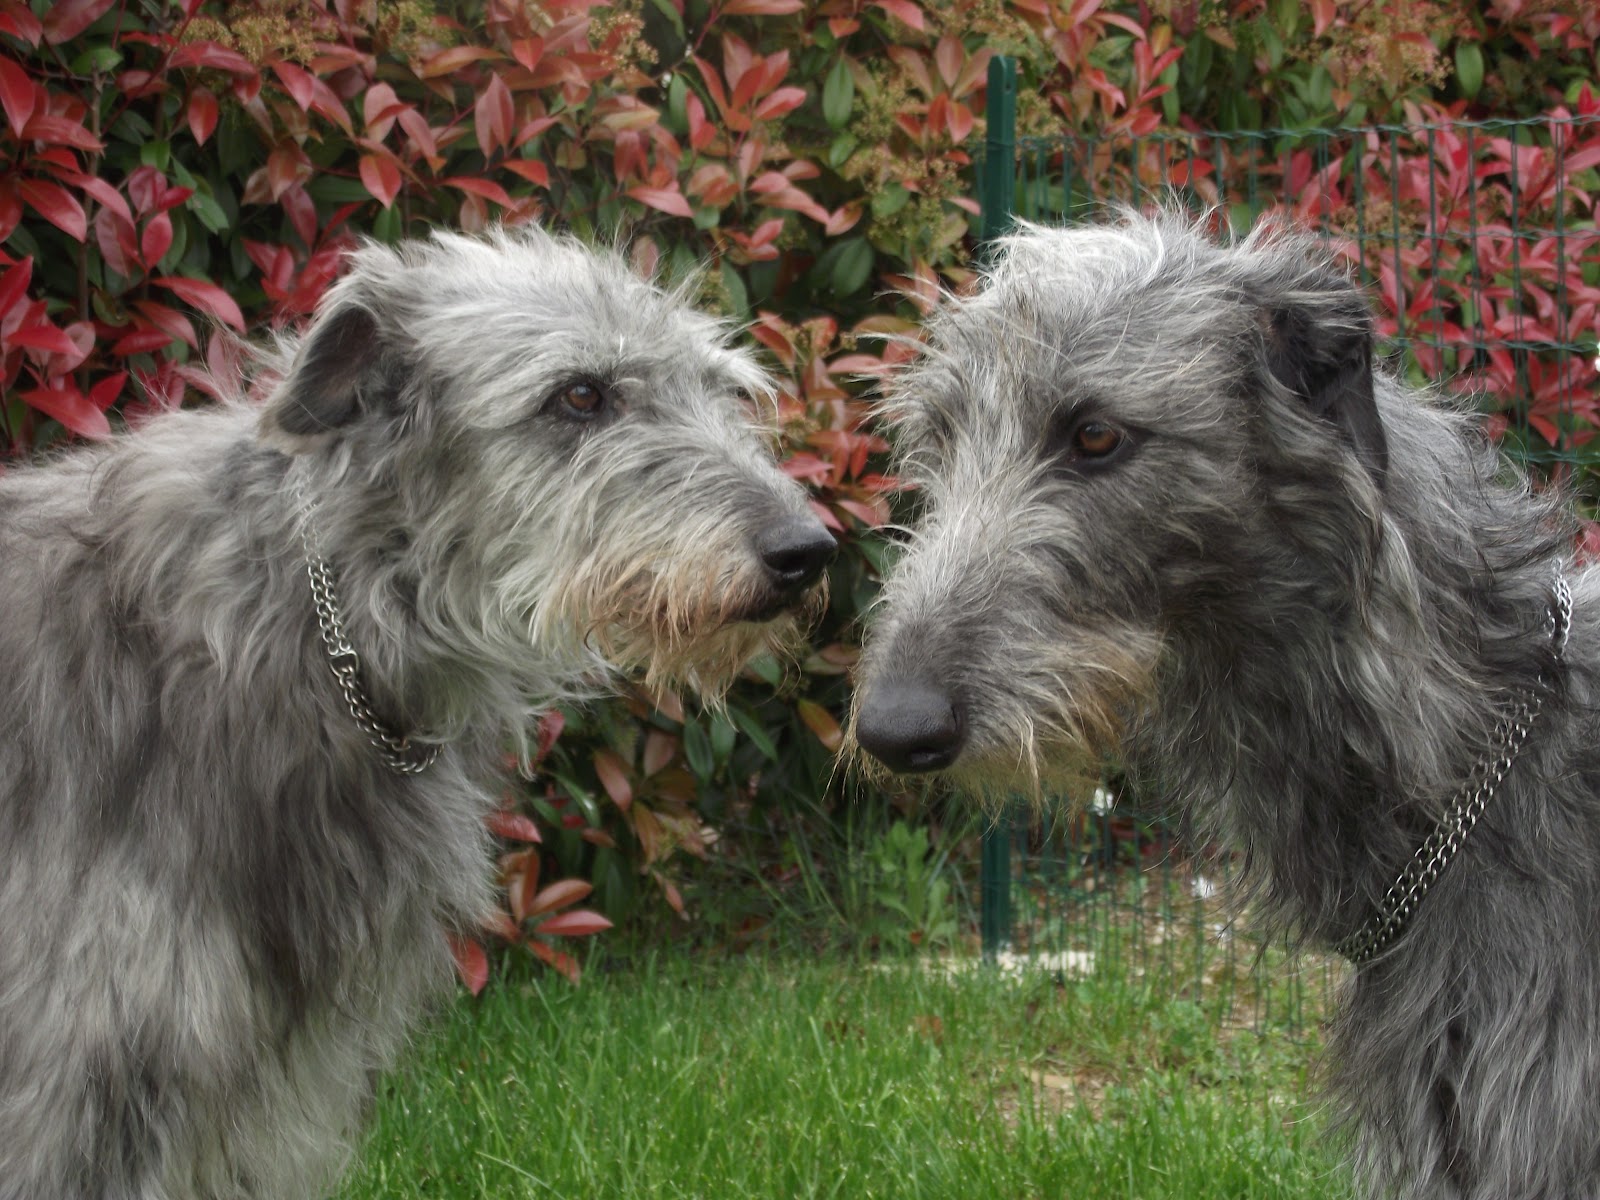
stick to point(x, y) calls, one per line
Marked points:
point(908, 12)
point(580, 922)
point(449, 61)
point(381, 177)
point(60, 131)
point(10, 210)
point(948, 56)
point(533, 172)
point(781, 101)
point(659, 750)
point(515, 826)
point(614, 778)
point(523, 889)
point(210, 54)
point(673, 895)
point(202, 114)
point(492, 114)
point(760, 8)
point(100, 190)
point(481, 187)
point(820, 721)
point(66, 19)
point(560, 961)
point(156, 240)
point(104, 394)
point(169, 319)
point(959, 121)
point(42, 337)
point(206, 296)
point(528, 51)
point(297, 81)
point(72, 408)
point(141, 341)
point(559, 895)
point(16, 19)
point(19, 95)
point(302, 210)
point(14, 285)
point(421, 133)
point(472, 964)
point(668, 200)
point(550, 727)
point(56, 205)
point(116, 239)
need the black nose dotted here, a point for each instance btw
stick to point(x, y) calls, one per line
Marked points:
point(795, 551)
point(910, 726)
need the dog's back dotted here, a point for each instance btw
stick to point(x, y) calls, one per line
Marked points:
point(190, 995)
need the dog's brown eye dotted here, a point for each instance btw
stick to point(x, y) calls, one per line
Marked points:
point(583, 400)
point(1095, 439)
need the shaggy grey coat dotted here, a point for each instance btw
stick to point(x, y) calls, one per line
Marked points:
point(528, 470)
point(1173, 510)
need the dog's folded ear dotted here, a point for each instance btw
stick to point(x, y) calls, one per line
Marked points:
point(1318, 346)
point(342, 369)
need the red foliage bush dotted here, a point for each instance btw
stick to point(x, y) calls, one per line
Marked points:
point(168, 169)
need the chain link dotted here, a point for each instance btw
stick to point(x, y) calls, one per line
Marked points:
point(397, 752)
point(1441, 846)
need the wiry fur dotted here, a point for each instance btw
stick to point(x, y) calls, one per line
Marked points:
point(1297, 604)
point(224, 910)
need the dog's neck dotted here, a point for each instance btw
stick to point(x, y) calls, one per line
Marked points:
point(1309, 774)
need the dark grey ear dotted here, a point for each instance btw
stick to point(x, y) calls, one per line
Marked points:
point(343, 369)
point(1322, 353)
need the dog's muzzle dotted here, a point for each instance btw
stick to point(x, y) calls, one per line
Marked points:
point(911, 726)
point(793, 553)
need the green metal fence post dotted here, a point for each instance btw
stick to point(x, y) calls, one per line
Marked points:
point(998, 188)
point(997, 198)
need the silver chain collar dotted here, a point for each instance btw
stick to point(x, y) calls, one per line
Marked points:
point(397, 752)
point(1441, 846)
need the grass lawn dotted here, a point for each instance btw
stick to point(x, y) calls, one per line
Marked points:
point(793, 1077)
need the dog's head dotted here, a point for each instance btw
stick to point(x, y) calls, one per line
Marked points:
point(552, 465)
point(1121, 441)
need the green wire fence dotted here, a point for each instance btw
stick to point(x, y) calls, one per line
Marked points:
point(1478, 243)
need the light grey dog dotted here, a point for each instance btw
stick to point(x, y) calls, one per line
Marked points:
point(1173, 510)
point(514, 469)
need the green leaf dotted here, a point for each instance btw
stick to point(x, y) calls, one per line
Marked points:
point(697, 750)
point(889, 200)
point(665, 8)
point(841, 148)
point(207, 211)
point(880, 552)
point(1320, 88)
point(1469, 68)
point(386, 226)
point(767, 669)
point(838, 95)
point(738, 297)
point(156, 153)
point(752, 728)
point(723, 736)
point(677, 115)
point(102, 59)
point(852, 268)
point(581, 796)
point(332, 189)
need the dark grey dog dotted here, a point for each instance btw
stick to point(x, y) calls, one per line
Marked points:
point(513, 470)
point(1173, 510)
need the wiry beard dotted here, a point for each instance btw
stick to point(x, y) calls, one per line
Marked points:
point(1044, 731)
point(677, 629)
